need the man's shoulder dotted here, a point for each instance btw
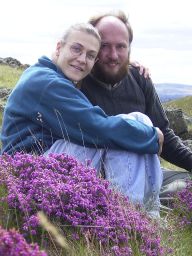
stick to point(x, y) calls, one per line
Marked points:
point(135, 77)
point(134, 72)
point(89, 82)
point(134, 69)
point(143, 82)
point(89, 77)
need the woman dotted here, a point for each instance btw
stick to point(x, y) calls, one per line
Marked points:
point(47, 113)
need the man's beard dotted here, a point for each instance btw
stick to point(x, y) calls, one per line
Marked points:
point(109, 78)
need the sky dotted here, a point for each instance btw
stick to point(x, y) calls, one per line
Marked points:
point(162, 31)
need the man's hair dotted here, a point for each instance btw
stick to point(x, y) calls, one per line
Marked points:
point(119, 15)
point(83, 27)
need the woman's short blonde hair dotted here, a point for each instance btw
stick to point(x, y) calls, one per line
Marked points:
point(84, 27)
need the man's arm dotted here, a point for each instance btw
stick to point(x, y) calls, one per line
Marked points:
point(173, 150)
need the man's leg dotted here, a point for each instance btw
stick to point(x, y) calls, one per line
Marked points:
point(90, 156)
point(173, 181)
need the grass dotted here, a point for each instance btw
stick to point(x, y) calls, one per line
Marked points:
point(9, 76)
point(184, 103)
point(169, 166)
point(182, 242)
point(8, 79)
point(3, 206)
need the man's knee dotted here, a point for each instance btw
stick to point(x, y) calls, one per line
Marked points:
point(171, 176)
point(173, 181)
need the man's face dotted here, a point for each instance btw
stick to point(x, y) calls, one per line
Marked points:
point(114, 53)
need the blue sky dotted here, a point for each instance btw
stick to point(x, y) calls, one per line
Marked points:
point(162, 31)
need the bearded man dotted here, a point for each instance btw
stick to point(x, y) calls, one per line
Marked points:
point(117, 87)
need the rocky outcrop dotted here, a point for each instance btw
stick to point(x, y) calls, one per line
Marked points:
point(13, 62)
point(177, 122)
point(4, 93)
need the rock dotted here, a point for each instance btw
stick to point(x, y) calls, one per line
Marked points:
point(13, 62)
point(188, 119)
point(177, 121)
point(4, 92)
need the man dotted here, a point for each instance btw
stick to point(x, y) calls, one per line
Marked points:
point(118, 88)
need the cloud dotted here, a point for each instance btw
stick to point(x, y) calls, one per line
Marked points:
point(171, 39)
point(162, 31)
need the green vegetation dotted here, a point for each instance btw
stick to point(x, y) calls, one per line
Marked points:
point(169, 166)
point(9, 76)
point(184, 103)
point(181, 242)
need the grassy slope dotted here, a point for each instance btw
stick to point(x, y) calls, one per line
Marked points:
point(184, 103)
point(9, 76)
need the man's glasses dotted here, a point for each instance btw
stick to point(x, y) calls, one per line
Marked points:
point(78, 49)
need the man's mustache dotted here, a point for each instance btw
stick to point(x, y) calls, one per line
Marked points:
point(112, 62)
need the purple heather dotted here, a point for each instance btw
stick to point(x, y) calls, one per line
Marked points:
point(67, 191)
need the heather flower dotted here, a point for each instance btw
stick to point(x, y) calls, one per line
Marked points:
point(182, 204)
point(70, 193)
point(12, 243)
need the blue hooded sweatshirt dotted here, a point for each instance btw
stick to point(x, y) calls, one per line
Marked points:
point(45, 106)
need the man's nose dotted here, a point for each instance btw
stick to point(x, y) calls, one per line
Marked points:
point(113, 53)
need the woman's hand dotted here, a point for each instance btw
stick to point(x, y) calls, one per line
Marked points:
point(160, 140)
point(142, 69)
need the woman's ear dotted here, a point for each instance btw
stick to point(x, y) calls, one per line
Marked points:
point(58, 47)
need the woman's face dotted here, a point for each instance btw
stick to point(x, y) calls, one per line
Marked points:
point(77, 55)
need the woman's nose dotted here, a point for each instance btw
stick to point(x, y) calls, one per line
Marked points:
point(82, 57)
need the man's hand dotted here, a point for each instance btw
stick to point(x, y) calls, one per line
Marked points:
point(142, 70)
point(160, 140)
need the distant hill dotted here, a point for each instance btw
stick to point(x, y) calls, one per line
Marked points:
point(184, 103)
point(171, 91)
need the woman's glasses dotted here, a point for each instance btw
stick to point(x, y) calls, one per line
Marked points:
point(78, 49)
